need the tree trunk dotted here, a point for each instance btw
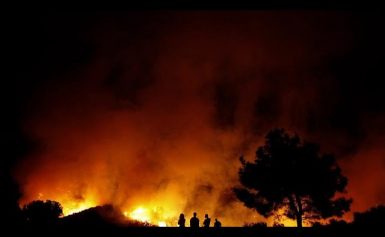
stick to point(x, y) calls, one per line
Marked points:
point(296, 206)
point(299, 220)
point(300, 212)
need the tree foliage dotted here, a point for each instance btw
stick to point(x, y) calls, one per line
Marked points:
point(292, 175)
point(42, 211)
point(375, 216)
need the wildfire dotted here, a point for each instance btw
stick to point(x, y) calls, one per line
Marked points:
point(162, 210)
point(282, 219)
point(290, 223)
point(75, 207)
point(140, 214)
point(153, 215)
point(162, 224)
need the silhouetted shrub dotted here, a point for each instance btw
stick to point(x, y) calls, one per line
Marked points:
point(337, 223)
point(375, 216)
point(276, 224)
point(317, 224)
point(256, 225)
point(42, 211)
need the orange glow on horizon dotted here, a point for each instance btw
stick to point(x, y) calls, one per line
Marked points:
point(72, 208)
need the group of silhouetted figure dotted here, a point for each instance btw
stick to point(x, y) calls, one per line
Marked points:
point(194, 221)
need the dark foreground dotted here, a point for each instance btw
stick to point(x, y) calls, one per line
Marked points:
point(177, 232)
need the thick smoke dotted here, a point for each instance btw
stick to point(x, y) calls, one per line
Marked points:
point(159, 114)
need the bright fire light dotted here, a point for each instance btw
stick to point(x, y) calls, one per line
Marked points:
point(140, 214)
point(153, 215)
point(162, 224)
point(71, 208)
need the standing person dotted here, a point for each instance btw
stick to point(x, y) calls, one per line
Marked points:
point(217, 223)
point(206, 222)
point(182, 220)
point(194, 221)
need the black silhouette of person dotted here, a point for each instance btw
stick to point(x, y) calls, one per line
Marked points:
point(194, 221)
point(181, 221)
point(206, 222)
point(217, 223)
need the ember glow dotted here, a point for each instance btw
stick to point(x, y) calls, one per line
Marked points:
point(155, 118)
point(75, 207)
point(140, 214)
point(153, 215)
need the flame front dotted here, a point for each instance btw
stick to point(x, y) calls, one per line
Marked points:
point(149, 215)
point(74, 207)
point(140, 214)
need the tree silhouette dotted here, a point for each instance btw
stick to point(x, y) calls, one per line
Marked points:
point(42, 211)
point(256, 225)
point(375, 216)
point(292, 175)
point(11, 194)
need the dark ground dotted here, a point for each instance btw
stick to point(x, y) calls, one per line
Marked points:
point(177, 232)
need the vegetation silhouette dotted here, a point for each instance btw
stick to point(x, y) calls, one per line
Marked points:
point(101, 216)
point(42, 211)
point(9, 198)
point(256, 225)
point(375, 216)
point(109, 221)
point(277, 224)
point(292, 175)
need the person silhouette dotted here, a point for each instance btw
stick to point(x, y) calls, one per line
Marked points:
point(194, 221)
point(181, 221)
point(217, 223)
point(206, 222)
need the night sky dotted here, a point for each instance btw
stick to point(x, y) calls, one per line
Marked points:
point(152, 109)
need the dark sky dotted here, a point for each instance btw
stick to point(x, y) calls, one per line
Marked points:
point(141, 90)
